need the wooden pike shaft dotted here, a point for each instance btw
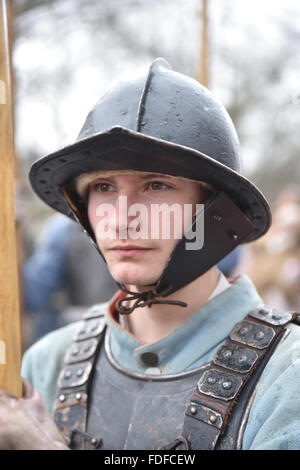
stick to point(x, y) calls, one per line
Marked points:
point(10, 330)
point(203, 74)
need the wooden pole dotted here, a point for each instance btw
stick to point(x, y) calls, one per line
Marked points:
point(10, 322)
point(203, 73)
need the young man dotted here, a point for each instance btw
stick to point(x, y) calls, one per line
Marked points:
point(180, 358)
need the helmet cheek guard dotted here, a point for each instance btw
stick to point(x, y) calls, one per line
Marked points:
point(163, 123)
point(223, 227)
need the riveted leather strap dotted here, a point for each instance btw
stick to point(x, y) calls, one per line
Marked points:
point(71, 405)
point(232, 376)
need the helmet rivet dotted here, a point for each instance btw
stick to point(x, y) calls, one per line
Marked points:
point(217, 217)
point(193, 410)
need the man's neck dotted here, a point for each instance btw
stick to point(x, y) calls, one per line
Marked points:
point(149, 325)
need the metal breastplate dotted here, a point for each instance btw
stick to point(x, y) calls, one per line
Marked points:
point(100, 405)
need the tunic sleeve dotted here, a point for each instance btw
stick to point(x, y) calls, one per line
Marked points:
point(274, 420)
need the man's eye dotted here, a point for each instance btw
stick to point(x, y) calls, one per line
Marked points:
point(103, 187)
point(156, 185)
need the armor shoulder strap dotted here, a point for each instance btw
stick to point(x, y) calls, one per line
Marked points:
point(70, 407)
point(219, 402)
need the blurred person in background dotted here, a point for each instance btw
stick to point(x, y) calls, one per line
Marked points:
point(273, 262)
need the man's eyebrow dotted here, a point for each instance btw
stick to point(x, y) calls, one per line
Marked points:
point(154, 175)
point(106, 178)
point(111, 178)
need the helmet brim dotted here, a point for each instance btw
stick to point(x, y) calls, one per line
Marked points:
point(119, 148)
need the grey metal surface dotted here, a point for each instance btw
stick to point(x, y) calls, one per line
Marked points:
point(134, 413)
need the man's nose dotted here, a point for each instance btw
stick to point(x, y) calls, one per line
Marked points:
point(121, 214)
point(122, 219)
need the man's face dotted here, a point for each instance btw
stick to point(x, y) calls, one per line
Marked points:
point(135, 237)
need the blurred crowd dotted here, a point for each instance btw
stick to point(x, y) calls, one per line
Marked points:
point(63, 275)
point(273, 262)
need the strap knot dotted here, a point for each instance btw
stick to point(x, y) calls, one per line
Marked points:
point(143, 299)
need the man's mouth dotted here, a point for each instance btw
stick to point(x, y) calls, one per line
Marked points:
point(129, 249)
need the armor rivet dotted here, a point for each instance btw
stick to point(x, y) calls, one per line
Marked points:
point(234, 235)
point(67, 374)
point(75, 351)
point(211, 380)
point(227, 354)
point(260, 335)
point(79, 372)
point(243, 330)
point(213, 418)
point(217, 217)
point(276, 316)
point(263, 311)
point(62, 398)
point(94, 441)
point(78, 396)
point(227, 384)
point(193, 410)
point(242, 358)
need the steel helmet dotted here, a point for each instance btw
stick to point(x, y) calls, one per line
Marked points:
point(164, 122)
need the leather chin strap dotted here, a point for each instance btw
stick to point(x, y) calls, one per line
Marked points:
point(143, 299)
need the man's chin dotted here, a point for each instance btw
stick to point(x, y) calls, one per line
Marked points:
point(140, 282)
point(133, 274)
